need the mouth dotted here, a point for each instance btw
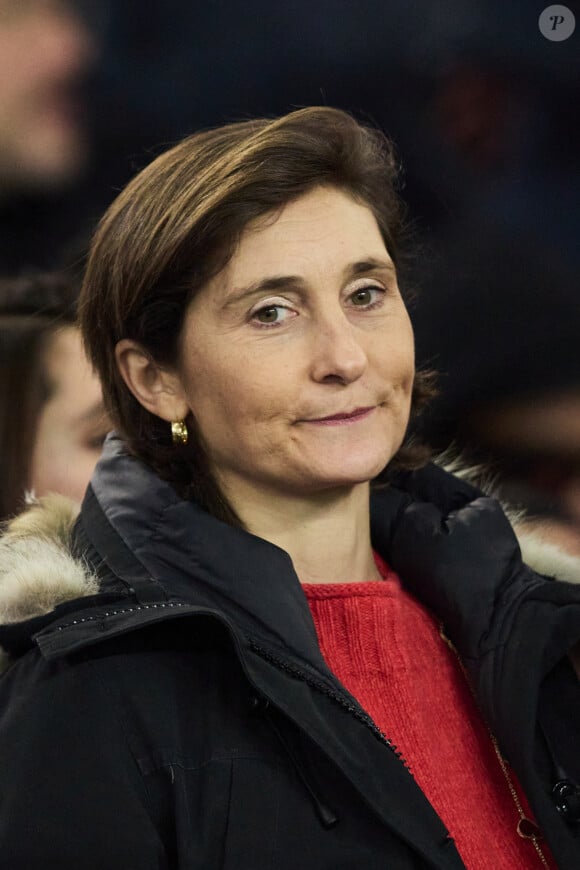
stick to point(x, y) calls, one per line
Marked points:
point(343, 418)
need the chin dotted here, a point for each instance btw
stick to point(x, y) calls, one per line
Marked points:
point(352, 474)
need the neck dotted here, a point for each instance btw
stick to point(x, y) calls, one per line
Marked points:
point(327, 536)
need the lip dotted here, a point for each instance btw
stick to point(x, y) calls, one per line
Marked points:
point(343, 419)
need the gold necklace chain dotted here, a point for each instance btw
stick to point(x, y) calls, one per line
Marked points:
point(526, 828)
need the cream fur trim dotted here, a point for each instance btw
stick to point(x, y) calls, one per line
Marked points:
point(547, 558)
point(37, 571)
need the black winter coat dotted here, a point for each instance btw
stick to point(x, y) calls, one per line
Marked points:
point(178, 713)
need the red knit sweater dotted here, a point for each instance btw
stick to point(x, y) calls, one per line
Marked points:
point(385, 648)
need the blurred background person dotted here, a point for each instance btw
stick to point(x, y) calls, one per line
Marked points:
point(52, 420)
point(45, 54)
point(499, 321)
point(44, 49)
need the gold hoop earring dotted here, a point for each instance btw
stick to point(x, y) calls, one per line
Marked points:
point(179, 433)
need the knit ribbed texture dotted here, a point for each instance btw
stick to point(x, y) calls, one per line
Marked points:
point(387, 651)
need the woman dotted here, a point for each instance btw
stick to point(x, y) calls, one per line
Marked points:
point(218, 679)
point(52, 419)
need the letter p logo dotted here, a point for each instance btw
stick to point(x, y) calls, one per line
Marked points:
point(557, 23)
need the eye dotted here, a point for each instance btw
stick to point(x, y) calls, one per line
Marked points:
point(271, 315)
point(368, 296)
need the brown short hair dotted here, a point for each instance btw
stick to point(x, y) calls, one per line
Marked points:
point(177, 224)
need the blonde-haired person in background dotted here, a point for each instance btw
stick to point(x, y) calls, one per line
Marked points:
point(253, 609)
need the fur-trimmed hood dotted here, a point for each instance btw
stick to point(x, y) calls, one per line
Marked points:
point(40, 572)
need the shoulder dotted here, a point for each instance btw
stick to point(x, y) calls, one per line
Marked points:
point(455, 548)
point(455, 507)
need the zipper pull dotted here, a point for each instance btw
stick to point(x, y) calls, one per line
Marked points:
point(528, 830)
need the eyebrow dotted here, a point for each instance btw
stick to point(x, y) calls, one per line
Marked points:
point(285, 282)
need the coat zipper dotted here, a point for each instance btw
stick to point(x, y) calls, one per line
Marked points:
point(339, 699)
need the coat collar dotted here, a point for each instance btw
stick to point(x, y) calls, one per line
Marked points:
point(143, 554)
point(183, 554)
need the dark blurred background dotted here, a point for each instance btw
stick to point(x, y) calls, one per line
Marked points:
point(484, 112)
point(483, 108)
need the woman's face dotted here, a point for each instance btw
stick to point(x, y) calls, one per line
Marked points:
point(72, 424)
point(297, 360)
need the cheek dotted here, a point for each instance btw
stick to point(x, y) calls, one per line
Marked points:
point(235, 409)
point(239, 393)
point(63, 467)
point(212, 395)
point(79, 471)
point(405, 352)
point(59, 462)
point(395, 363)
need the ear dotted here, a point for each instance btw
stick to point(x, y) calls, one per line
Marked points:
point(159, 390)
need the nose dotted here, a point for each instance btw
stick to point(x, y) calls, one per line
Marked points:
point(338, 355)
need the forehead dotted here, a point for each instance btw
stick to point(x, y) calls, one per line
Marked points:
point(323, 229)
